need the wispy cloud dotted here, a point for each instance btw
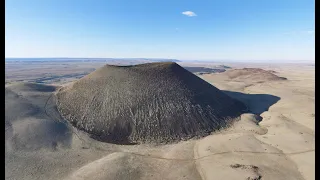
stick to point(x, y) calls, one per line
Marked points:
point(310, 32)
point(300, 32)
point(189, 13)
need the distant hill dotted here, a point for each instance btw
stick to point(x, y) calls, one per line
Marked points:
point(254, 74)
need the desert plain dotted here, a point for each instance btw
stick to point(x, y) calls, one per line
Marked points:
point(274, 140)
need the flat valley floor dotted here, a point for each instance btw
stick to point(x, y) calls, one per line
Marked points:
point(280, 146)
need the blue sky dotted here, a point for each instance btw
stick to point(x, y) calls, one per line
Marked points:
point(253, 30)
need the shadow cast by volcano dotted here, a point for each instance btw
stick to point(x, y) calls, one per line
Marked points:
point(256, 103)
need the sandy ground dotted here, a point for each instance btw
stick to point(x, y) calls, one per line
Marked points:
point(281, 146)
point(290, 122)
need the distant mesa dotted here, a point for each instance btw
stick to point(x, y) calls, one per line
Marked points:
point(253, 74)
point(153, 102)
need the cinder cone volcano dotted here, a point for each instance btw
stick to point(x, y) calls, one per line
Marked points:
point(155, 102)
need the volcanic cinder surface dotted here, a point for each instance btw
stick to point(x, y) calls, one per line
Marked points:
point(154, 102)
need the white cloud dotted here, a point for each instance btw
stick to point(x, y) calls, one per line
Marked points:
point(310, 32)
point(189, 13)
point(300, 32)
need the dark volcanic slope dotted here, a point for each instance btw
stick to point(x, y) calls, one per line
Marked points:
point(155, 102)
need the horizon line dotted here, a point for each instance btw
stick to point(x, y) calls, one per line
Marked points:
point(145, 58)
